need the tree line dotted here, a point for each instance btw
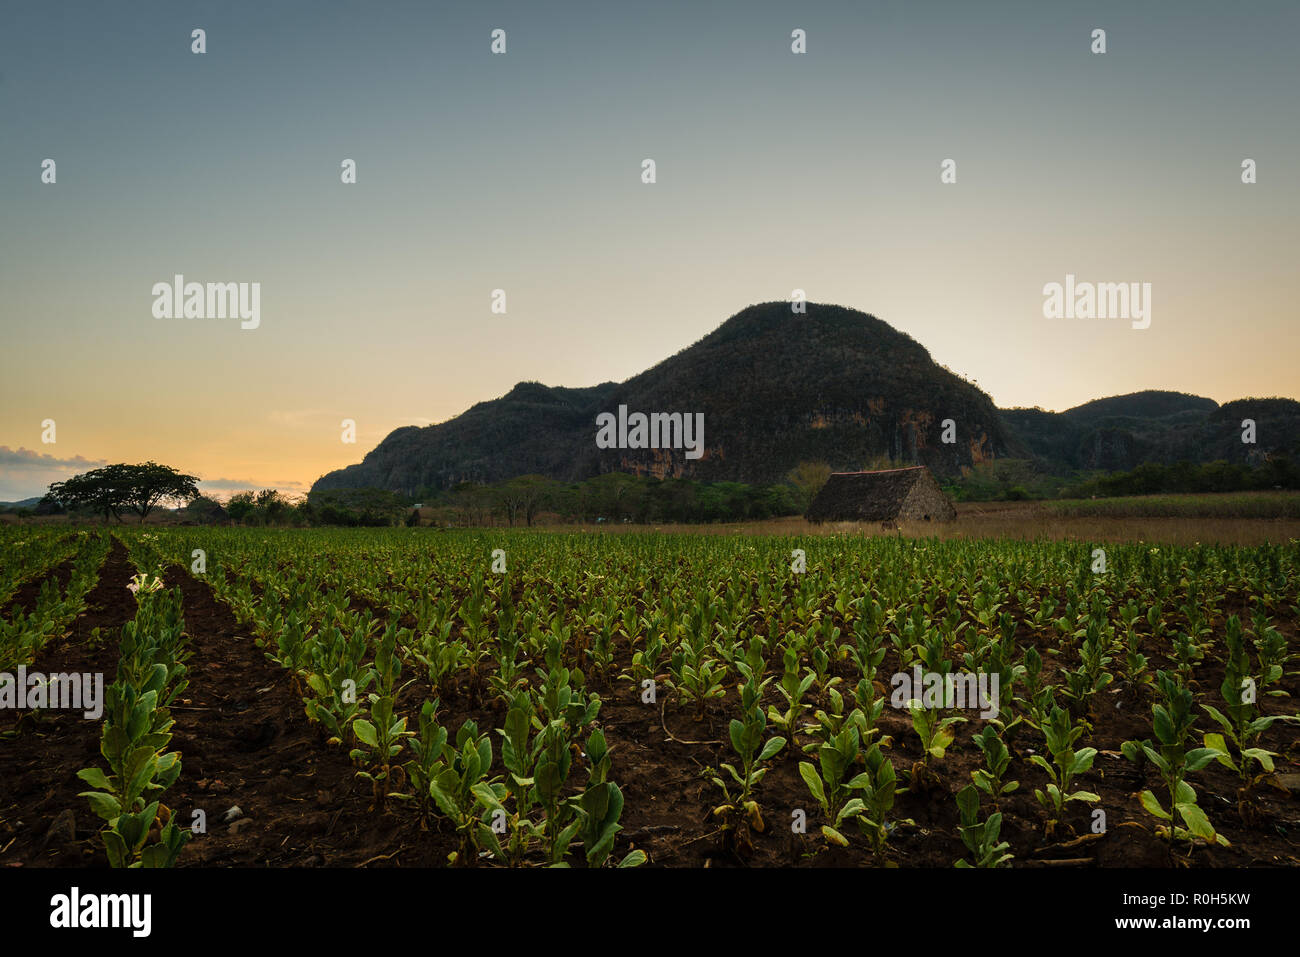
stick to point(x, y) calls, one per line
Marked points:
point(615, 497)
point(117, 490)
point(1022, 479)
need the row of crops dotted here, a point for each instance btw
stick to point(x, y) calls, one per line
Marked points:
point(133, 713)
point(33, 557)
point(464, 675)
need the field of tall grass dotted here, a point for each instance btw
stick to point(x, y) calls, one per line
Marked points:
point(1221, 505)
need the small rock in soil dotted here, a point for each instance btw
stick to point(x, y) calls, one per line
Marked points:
point(62, 832)
point(1289, 781)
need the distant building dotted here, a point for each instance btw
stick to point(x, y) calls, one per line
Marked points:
point(893, 495)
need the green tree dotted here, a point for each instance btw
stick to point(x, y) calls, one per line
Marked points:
point(115, 488)
point(271, 504)
point(357, 506)
point(614, 495)
point(241, 506)
point(524, 497)
point(808, 479)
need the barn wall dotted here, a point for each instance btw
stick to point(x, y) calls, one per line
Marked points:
point(926, 498)
point(881, 497)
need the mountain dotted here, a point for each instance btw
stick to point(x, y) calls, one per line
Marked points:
point(775, 388)
point(1121, 432)
point(25, 503)
point(834, 385)
point(533, 429)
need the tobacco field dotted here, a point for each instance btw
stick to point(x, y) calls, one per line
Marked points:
point(423, 697)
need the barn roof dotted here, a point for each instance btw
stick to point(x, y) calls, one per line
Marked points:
point(865, 496)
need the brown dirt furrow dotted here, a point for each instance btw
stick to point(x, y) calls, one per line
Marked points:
point(24, 599)
point(245, 742)
point(43, 822)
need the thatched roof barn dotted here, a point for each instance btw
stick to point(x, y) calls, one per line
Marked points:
point(894, 495)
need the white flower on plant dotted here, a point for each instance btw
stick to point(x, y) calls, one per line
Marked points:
point(145, 582)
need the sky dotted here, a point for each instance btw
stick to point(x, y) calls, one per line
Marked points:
point(522, 171)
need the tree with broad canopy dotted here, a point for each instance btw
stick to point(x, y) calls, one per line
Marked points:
point(115, 488)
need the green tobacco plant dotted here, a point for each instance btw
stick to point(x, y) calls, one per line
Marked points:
point(1242, 724)
point(740, 812)
point(466, 794)
point(645, 661)
point(822, 661)
point(700, 681)
point(1272, 652)
point(601, 805)
point(931, 650)
point(828, 723)
point(561, 697)
point(601, 652)
point(828, 782)
point(139, 830)
point(443, 656)
point(1065, 765)
point(1000, 663)
point(877, 786)
point(1186, 654)
point(936, 735)
point(538, 767)
point(553, 759)
point(869, 645)
point(337, 678)
point(1091, 677)
point(1172, 723)
point(507, 678)
point(154, 640)
point(870, 705)
point(1037, 703)
point(426, 746)
point(1135, 663)
point(517, 756)
point(793, 687)
point(136, 732)
point(997, 758)
point(292, 642)
point(383, 738)
point(384, 733)
point(980, 838)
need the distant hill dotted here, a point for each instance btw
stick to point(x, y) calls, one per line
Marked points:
point(533, 429)
point(1121, 432)
point(833, 385)
point(1140, 406)
point(775, 388)
point(25, 503)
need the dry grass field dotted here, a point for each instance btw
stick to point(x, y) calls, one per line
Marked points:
point(1208, 521)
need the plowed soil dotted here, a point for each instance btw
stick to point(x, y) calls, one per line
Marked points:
point(274, 794)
